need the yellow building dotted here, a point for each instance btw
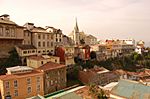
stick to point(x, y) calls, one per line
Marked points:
point(21, 82)
point(11, 34)
point(37, 61)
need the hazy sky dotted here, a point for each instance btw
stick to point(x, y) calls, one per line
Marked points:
point(102, 18)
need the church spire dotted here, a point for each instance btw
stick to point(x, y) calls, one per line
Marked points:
point(76, 26)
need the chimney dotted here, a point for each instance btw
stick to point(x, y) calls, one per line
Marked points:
point(5, 17)
point(29, 26)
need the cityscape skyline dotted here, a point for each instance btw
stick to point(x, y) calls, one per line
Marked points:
point(101, 18)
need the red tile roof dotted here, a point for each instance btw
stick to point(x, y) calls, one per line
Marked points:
point(51, 66)
point(14, 76)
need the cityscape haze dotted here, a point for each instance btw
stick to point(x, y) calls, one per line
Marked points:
point(102, 18)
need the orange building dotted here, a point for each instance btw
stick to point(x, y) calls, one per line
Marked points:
point(21, 82)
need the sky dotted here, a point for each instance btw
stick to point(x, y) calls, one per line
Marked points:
point(105, 19)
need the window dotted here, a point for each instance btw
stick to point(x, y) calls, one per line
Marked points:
point(43, 36)
point(7, 84)
point(43, 44)
point(60, 40)
point(60, 35)
point(51, 36)
point(28, 81)
point(33, 51)
point(48, 36)
point(39, 51)
point(42, 62)
point(47, 44)
point(39, 36)
point(29, 89)
point(55, 60)
point(13, 32)
point(24, 52)
point(7, 32)
point(16, 93)
point(15, 83)
point(38, 87)
point(51, 82)
point(1, 31)
point(38, 80)
point(7, 93)
point(51, 44)
point(39, 44)
point(56, 40)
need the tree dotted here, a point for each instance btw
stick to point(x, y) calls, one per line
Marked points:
point(97, 92)
point(82, 41)
point(13, 59)
point(93, 55)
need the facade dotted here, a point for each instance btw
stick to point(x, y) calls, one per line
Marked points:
point(41, 39)
point(78, 36)
point(54, 76)
point(118, 47)
point(11, 34)
point(90, 40)
point(57, 35)
point(27, 38)
point(21, 82)
point(67, 41)
point(37, 61)
point(97, 75)
point(83, 52)
point(25, 51)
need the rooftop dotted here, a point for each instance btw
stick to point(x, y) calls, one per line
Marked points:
point(18, 68)
point(22, 75)
point(51, 66)
point(26, 47)
point(41, 57)
point(131, 89)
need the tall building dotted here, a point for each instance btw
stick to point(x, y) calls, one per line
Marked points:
point(11, 34)
point(75, 34)
point(80, 37)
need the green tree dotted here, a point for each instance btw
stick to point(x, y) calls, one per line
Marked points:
point(93, 55)
point(13, 59)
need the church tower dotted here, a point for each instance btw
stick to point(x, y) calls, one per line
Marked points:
point(76, 33)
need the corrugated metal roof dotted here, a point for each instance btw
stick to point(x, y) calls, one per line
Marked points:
point(132, 89)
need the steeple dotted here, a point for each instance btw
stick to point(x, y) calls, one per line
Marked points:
point(76, 27)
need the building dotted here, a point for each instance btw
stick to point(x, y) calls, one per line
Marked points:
point(37, 61)
point(11, 34)
point(21, 82)
point(116, 47)
point(37, 41)
point(67, 41)
point(97, 75)
point(90, 40)
point(143, 75)
point(80, 37)
point(41, 39)
point(66, 54)
point(24, 51)
point(127, 89)
point(54, 76)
